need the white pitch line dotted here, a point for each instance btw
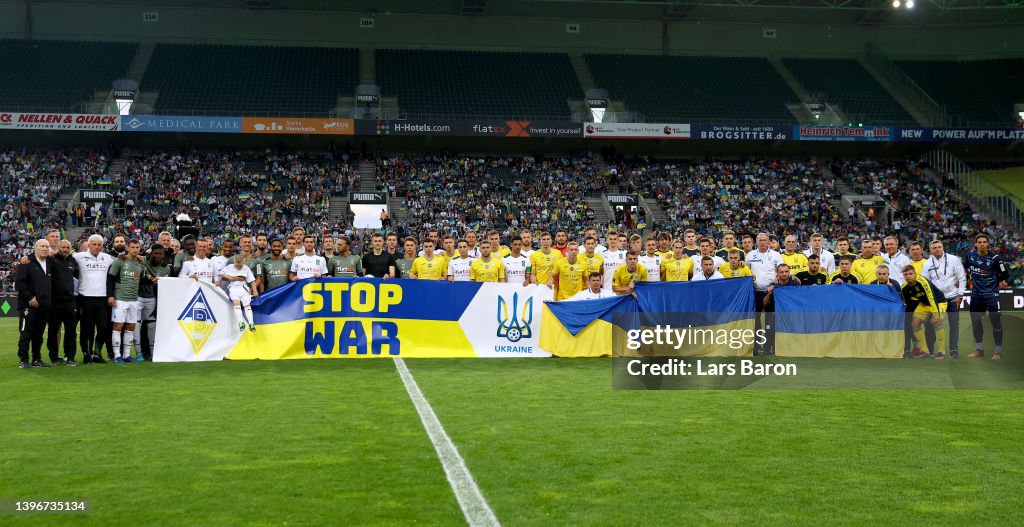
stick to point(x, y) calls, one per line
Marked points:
point(474, 505)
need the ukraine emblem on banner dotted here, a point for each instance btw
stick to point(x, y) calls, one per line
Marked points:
point(512, 328)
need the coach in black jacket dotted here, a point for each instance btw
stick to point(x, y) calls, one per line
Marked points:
point(34, 283)
point(63, 314)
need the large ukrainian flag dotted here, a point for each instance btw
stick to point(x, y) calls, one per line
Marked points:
point(719, 312)
point(843, 320)
point(584, 328)
point(596, 328)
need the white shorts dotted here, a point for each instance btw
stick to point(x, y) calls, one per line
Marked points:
point(147, 309)
point(126, 312)
point(241, 295)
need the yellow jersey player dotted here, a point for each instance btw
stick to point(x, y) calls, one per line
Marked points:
point(869, 260)
point(735, 267)
point(543, 260)
point(487, 268)
point(927, 305)
point(628, 274)
point(497, 248)
point(690, 238)
point(430, 266)
point(569, 273)
point(677, 267)
point(843, 249)
point(796, 260)
point(917, 259)
point(843, 275)
point(728, 244)
point(592, 262)
point(664, 245)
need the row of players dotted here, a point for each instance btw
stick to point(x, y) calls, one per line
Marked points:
point(569, 271)
point(121, 280)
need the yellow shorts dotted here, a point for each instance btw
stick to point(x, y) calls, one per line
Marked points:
point(924, 312)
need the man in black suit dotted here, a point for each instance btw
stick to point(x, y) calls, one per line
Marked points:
point(34, 284)
point(63, 314)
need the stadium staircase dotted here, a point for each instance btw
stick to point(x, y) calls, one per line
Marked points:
point(602, 211)
point(367, 66)
point(136, 69)
point(396, 209)
point(845, 82)
point(579, 65)
point(655, 213)
point(799, 110)
point(338, 208)
point(367, 177)
point(115, 168)
point(912, 97)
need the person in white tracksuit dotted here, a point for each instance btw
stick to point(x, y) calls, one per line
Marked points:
point(241, 290)
point(946, 272)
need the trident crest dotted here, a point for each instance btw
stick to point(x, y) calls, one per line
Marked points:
point(517, 326)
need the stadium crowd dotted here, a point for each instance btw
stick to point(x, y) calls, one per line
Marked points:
point(31, 181)
point(236, 191)
point(454, 193)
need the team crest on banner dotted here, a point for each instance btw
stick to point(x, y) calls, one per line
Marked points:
point(517, 326)
point(197, 321)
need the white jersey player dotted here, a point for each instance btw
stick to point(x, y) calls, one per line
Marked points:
point(459, 267)
point(200, 269)
point(652, 261)
point(517, 265)
point(309, 264)
point(613, 259)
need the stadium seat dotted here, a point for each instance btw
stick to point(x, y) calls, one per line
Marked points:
point(193, 78)
point(695, 89)
point(478, 84)
point(58, 76)
point(846, 83)
point(974, 93)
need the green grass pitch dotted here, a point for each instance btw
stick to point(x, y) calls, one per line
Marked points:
point(548, 442)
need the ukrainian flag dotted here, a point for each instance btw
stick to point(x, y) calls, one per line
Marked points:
point(715, 310)
point(842, 320)
point(583, 328)
point(718, 313)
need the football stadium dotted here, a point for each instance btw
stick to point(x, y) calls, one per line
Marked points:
point(511, 262)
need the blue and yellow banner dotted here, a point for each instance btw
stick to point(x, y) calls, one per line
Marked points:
point(361, 317)
point(846, 320)
point(598, 328)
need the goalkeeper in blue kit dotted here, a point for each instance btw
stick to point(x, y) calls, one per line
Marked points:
point(986, 271)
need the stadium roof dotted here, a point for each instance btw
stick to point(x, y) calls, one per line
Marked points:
point(864, 12)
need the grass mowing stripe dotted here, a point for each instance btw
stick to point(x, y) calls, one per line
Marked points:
point(474, 506)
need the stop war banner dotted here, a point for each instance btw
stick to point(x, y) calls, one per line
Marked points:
point(352, 318)
point(59, 121)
